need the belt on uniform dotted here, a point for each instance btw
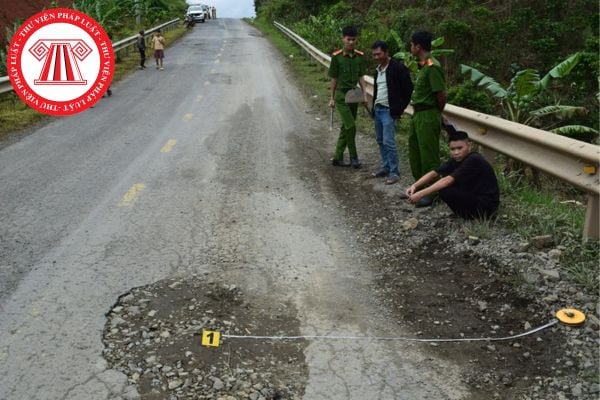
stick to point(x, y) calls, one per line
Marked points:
point(378, 105)
point(422, 107)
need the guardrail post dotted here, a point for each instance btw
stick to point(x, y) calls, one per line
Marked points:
point(308, 57)
point(592, 218)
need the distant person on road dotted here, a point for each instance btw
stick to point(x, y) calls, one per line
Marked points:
point(214, 12)
point(347, 68)
point(158, 43)
point(428, 101)
point(141, 45)
point(392, 91)
point(468, 184)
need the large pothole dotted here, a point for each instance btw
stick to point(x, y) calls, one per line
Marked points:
point(153, 335)
point(441, 293)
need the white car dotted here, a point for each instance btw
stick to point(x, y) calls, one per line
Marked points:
point(197, 13)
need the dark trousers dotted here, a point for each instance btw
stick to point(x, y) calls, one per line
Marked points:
point(142, 57)
point(465, 204)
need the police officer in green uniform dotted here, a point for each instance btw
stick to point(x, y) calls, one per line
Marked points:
point(347, 68)
point(428, 101)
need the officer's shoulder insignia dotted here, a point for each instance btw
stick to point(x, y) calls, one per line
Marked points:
point(360, 53)
point(335, 53)
point(429, 62)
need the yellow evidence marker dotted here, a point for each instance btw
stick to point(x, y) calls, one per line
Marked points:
point(211, 338)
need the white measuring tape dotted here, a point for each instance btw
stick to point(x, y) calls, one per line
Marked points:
point(403, 339)
point(568, 317)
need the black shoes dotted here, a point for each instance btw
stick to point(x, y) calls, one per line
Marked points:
point(354, 163)
point(382, 173)
point(339, 163)
point(424, 202)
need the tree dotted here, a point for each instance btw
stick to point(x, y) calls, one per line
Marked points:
point(521, 100)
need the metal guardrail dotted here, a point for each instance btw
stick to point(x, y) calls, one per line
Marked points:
point(569, 160)
point(123, 44)
point(5, 85)
point(130, 41)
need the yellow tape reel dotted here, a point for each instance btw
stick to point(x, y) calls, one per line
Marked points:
point(571, 317)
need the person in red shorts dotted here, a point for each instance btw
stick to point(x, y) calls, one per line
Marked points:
point(158, 43)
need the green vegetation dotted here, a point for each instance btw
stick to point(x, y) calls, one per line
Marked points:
point(520, 100)
point(498, 38)
point(123, 18)
point(411, 62)
point(16, 115)
point(531, 212)
point(526, 210)
point(10, 31)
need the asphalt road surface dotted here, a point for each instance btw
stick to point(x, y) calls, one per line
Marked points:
point(194, 169)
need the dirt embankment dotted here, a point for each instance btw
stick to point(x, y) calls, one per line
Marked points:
point(15, 10)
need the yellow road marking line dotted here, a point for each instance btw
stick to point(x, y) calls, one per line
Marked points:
point(131, 194)
point(169, 146)
point(188, 117)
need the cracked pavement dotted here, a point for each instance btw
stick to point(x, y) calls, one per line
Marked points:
point(228, 200)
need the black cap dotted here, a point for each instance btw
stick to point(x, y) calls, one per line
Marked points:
point(350, 31)
point(457, 135)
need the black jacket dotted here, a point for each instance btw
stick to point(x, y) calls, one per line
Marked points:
point(399, 85)
point(141, 43)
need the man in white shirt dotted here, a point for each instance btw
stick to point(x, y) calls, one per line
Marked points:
point(393, 88)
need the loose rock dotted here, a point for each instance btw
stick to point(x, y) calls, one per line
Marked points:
point(542, 242)
point(410, 224)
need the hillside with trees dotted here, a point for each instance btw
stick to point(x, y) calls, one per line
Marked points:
point(500, 39)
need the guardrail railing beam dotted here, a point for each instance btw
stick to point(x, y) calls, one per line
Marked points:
point(123, 44)
point(567, 159)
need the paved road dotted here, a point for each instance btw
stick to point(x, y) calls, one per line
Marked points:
point(192, 169)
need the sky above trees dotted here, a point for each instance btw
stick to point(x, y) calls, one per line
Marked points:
point(230, 8)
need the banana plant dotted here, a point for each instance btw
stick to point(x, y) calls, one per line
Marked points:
point(111, 14)
point(519, 100)
point(115, 15)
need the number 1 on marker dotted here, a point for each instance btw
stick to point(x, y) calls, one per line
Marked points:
point(211, 339)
